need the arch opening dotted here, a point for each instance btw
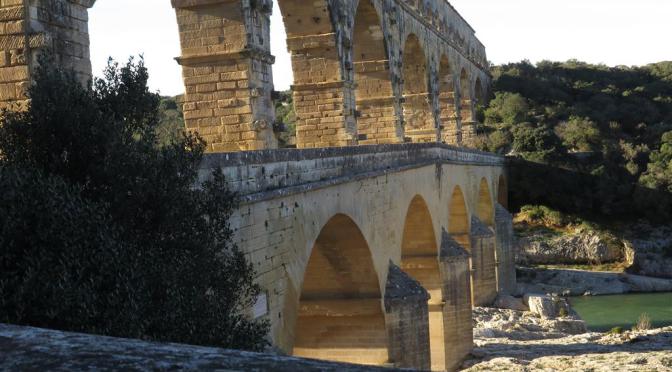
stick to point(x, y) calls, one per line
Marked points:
point(485, 210)
point(468, 128)
point(340, 315)
point(376, 118)
point(447, 104)
point(458, 224)
point(319, 88)
point(417, 111)
point(419, 258)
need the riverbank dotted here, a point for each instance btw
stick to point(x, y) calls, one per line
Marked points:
point(571, 282)
point(510, 340)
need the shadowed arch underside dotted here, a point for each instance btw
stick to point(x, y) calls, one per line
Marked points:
point(376, 118)
point(458, 223)
point(419, 258)
point(419, 123)
point(448, 114)
point(486, 209)
point(340, 310)
point(322, 97)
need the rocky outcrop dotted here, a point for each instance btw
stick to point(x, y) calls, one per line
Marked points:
point(508, 340)
point(523, 325)
point(578, 248)
point(580, 282)
point(649, 252)
point(33, 349)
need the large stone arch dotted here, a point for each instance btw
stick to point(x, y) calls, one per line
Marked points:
point(419, 258)
point(485, 210)
point(377, 121)
point(340, 314)
point(419, 124)
point(448, 113)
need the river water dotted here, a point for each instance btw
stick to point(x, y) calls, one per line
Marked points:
point(602, 313)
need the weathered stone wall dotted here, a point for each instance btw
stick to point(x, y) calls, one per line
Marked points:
point(293, 202)
point(28, 27)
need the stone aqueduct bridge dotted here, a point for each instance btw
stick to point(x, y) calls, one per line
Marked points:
point(369, 254)
point(336, 234)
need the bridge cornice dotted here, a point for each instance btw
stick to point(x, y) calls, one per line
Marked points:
point(268, 174)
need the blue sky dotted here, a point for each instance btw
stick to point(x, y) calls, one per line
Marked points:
point(614, 32)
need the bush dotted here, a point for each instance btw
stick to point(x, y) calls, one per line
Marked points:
point(643, 323)
point(62, 264)
point(616, 331)
point(169, 240)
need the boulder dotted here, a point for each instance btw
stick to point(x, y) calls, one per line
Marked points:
point(650, 252)
point(548, 307)
point(510, 302)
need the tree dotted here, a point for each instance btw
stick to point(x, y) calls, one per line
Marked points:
point(194, 285)
point(507, 108)
point(579, 134)
point(659, 171)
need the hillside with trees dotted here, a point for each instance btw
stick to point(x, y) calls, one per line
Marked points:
point(601, 137)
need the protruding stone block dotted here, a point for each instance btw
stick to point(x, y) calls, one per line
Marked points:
point(457, 323)
point(505, 251)
point(483, 276)
point(407, 320)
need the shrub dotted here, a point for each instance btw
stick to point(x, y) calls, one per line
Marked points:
point(616, 331)
point(173, 273)
point(643, 323)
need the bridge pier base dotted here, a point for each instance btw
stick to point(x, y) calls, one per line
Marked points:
point(457, 323)
point(483, 276)
point(407, 321)
point(505, 251)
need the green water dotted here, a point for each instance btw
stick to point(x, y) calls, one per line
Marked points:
point(602, 313)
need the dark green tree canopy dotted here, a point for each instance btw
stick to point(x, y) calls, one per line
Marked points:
point(109, 190)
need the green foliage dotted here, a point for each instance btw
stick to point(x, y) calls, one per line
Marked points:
point(171, 120)
point(112, 225)
point(580, 134)
point(616, 331)
point(285, 117)
point(507, 108)
point(535, 143)
point(608, 123)
point(659, 171)
point(542, 215)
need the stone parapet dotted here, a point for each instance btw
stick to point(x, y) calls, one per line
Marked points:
point(256, 175)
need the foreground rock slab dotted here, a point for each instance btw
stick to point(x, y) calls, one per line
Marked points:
point(34, 349)
point(508, 340)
